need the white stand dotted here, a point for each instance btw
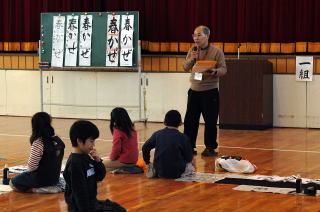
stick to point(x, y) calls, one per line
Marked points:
point(239, 50)
point(41, 80)
point(144, 108)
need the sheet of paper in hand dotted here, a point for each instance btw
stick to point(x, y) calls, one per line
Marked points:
point(203, 65)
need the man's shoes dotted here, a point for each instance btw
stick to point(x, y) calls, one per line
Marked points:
point(209, 153)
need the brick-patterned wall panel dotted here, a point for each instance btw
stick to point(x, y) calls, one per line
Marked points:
point(22, 62)
point(35, 62)
point(172, 64)
point(1, 62)
point(281, 65)
point(7, 62)
point(147, 64)
point(29, 62)
point(291, 65)
point(316, 65)
point(164, 64)
point(180, 63)
point(15, 62)
point(155, 64)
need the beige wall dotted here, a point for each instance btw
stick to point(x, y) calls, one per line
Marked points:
point(296, 104)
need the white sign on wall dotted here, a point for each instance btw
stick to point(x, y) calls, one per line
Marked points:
point(304, 68)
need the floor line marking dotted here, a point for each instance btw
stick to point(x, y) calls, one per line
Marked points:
point(15, 135)
point(267, 149)
point(200, 145)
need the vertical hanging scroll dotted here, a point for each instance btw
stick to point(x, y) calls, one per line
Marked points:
point(126, 54)
point(85, 40)
point(58, 41)
point(112, 50)
point(71, 40)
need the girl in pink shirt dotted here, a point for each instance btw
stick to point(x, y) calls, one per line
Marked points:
point(124, 151)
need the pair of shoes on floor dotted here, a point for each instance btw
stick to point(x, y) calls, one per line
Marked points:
point(209, 153)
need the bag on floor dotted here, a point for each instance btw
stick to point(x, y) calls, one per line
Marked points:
point(234, 164)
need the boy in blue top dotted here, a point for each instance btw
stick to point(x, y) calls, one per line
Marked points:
point(83, 170)
point(172, 148)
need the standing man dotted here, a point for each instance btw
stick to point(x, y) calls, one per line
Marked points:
point(203, 95)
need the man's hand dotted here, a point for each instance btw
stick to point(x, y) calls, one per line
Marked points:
point(211, 71)
point(194, 55)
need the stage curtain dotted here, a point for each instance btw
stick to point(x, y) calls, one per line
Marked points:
point(270, 26)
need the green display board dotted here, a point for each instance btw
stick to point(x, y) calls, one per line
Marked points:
point(98, 41)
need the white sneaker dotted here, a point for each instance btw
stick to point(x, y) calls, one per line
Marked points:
point(151, 172)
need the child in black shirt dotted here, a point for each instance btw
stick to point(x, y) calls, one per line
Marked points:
point(83, 170)
point(172, 149)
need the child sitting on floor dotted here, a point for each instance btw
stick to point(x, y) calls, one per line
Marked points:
point(124, 151)
point(83, 170)
point(173, 153)
point(45, 158)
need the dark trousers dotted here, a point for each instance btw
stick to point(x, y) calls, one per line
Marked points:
point(207, 104)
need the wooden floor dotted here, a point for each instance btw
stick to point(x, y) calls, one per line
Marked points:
point(278, 151)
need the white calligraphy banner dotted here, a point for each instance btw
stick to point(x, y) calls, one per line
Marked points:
point(58, 41)
point(85, 40)
point(127, 27)
point(112, 41)
point(304, 68)
point(72, 30)
point(126, 57)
